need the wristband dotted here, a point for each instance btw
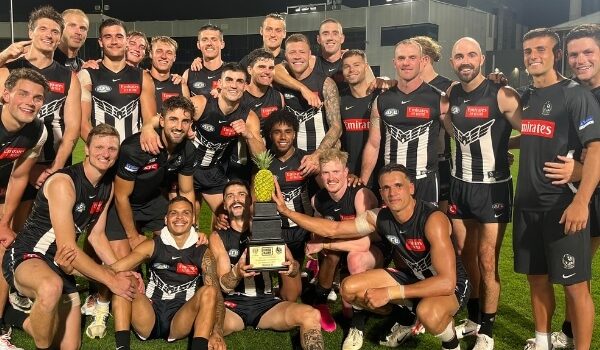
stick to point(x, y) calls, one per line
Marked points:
point(396, 292)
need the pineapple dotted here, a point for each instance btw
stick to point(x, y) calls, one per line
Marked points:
point(263, 181)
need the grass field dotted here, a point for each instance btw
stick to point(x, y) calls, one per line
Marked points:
point(514, 322)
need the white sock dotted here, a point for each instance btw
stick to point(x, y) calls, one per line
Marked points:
point(448, 333)
point(542, 341)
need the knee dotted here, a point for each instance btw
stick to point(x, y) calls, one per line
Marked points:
point(49, 292)
point(357, 262)
point(577, 290)
point(311, 317)
point(430, 316)
point(74, 344)
point(349, 288)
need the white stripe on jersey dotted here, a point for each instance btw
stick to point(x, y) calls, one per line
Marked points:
point(127, 113)
point(420, 133)
point(421, 266)
point(483, 135)
point(53, 109)
point(316, 115)
point(43, 244)
point(210, 149)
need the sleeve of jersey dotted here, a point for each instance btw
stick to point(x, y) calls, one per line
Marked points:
point(585, 111)
point(129, 164)
point(35, 151)
point(190, 160)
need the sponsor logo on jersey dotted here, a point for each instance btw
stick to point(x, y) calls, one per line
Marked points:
point(186, 269)
point(57, 87)
point(96, 207)
point(418, 112)
point(568, 261)
point(541, 128)
point(454, 109)
point(198, 85)
point(159, 266)
point(80, 208)
point(12, 152)
point(478, 112)
point(586, 122)
point(293, 176)
point(265, 112)
point(391, 112)
point(101, 89)
point(151, 167)
point(166, 95)
point(129, 88)
point(547, 108)
point(227, 131)
point(234, 253)
point(207, 127)
point(347, 217)
point(131, 168)
point(356, 124)
point(415, 244)
point(393, 239)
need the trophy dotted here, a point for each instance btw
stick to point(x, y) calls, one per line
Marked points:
point(266, 249)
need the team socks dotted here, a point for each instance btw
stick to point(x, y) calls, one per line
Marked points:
point(473, 310)
point(199, 343)
point(359, 317)
point(487, 324)
point(567, 329)
point(122, 340)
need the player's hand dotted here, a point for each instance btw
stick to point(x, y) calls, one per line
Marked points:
point(309, 164)
point(176, 79)
point(42, 177)
point(242, 268)
point(354, 180)
point(239, 126)
point(278, 198)
point(196, 64)
point(150, 140)
point(565, 171)
point(141, 288)
point(381, 83)
point(91, 64)
point(214, 93)
point(575, 217)
point(15, 50)
point(123, 285)
point(216, 342)
point(313, 247)
point(64, 258)
point(310, 97)
point(376, 297)
point(7, 235)
point(221, 221)
point(202, 239)
point(498, 77)
point(136, 240)
point(510, 157)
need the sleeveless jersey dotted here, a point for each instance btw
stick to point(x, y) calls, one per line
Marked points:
point(235, 243)
point(292, 184)
point(481, 134)
point(263, 106)
point(164, 90)
point(356, 114)
point(73, 64)
point(116, 98)
point(38, 234)
point(443, 83)
point(332, 70)
point(341, 210)
point(175, 273)
point(410, 128)
point(245, 61)
point(557, 119)
point(14, 145)
point(53, 110)
point(201, 82)
point(410, 242)
point(214, 133)
point(313, 123)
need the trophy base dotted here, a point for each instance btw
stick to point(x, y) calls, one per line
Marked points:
point(266, 255)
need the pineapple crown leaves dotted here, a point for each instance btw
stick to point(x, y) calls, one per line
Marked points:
point(263, 160)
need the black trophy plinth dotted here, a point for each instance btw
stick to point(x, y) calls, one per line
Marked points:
point(266, 249)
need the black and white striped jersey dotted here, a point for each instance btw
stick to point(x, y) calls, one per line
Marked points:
point(356, 114)
point(165, 89)
point(202, 81)
point(481, 133)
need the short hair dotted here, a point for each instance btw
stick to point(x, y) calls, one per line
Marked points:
point(74, 12)
point(238, 183)
point(26, 74)
point(275, 16)
point(102, 129)
point(282, 116)
point(135, 33)
point(109, 22)
point(211, 27)
point(589, 30)
point(177, 102)
point(410, 41)
point(179, 198)
point(544, 32)
point(234, 67)
point(392, 167)
point(331, 20)
point(354, 52)
point(46, 12)
point(430, 47)
point(259, 54)
point(333, 154)
point(297, 38)
point(165, 40)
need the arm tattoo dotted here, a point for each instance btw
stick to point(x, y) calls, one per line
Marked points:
point(312, 339)
point(230, 280)
point(295, 269)
point(332, 111)
point(209, 265)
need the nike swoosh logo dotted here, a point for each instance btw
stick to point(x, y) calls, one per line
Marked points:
point(568, 276)
point(467, 333)
point(526, 107)
point(120, 347)
point(282, 167)
point(337, 209)
point(405, 102)
point(331, 69)
point(92, 196)
point(258, 105)
point(209, 77)
point(175, 257)
point(498, 215)
point(159, 88)
point(222, 121)
point(349, 107)
point(116, 80)
point(465, 101)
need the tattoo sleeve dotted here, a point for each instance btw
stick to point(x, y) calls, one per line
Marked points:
point(230, 280)
point(312, 339)
point(332, 111)
point(209, 265)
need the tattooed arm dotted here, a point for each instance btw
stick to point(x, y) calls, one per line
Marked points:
point(332, 111)
point(209, 268)
point(227, 278)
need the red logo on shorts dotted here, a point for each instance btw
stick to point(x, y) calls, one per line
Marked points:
point(96, 207)
point(541, 128)
point(415, 245)
point(185, 269)
point(151, 167)
point(30, 256)
point(129, 88)
point(12, 152)
point(452, 209)
point(57, 87)
point(265, 112)
point(293, 176)
point(166, 95)
point(227, 131)
point(356, 124)
point(347, 217)
point(479, 112)
point(230, 304)
point(418, 112)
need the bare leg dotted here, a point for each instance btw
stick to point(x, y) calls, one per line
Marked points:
point(68, 335)
point(286, 315)
point(582, 306)
point(198, 312)
point(542, 301)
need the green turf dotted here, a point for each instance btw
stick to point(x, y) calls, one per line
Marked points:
point(514, 322)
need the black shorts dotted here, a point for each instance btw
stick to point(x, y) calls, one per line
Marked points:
point(250, 309)
point(295, 238)
point(30, 193)
point(164, 311)
point(427, 188)
point(15, 256)
point(148, 217)
point(386, 249)
point(5, 172)
point(444, 171)
point(210, 180)
point(405, 277)
point(486, 203)
point(595, 214)
point(541, 247)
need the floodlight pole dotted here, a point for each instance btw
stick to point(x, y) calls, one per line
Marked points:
point(12, 24)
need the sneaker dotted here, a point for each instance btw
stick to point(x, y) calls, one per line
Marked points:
point(327, 321)
point(5, 343)
point(561, 341)
point(97, 329)
point(354, 340)
point(466, 328)
point(531, 345)
point(89, 305)
point(484, 342)
point(332, 296)
point(20, 302)
point(397, 335)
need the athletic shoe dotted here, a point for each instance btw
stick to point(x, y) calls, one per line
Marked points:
point(5, 343)
point(466, 328)
point(561, 341)
point(354, 340)
point(327, 321)
point(89, 305)
point(20, 302)
point(484, 342)
point(332, 296)
point(531, 345)
point(456, 348)
point(97, 329)
point(397, 335)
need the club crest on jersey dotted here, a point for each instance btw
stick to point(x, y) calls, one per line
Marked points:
point(391, 112)
point(80, 208)
point(198, 85)
point(131, 168)
point(498, 206)
point(102, 89)
point(568, 261)
point(234, 253)
point(393, 239)
point(57, 87)
point(418, 112)
point(415, 245)
point(547, 108)
point(207, 127)
point(540, 128)
point(265, 112)
point(454, 109)
point(159, 266)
